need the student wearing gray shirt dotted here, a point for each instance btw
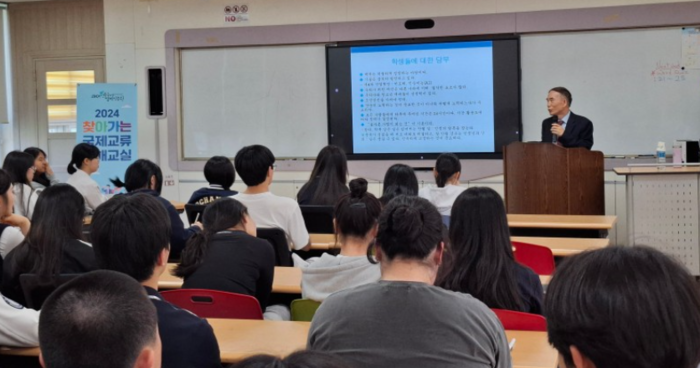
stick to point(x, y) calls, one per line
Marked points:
point(403, 320)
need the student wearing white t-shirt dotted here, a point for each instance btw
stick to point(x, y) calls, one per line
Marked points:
point(446, 171)
point(255, 166)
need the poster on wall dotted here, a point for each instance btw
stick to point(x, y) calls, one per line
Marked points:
point(107, 119)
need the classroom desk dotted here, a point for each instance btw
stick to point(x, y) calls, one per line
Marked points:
point(562, 247)
point(287, 280)
point(323, 242)
point(570, 226)
point(179, 207)
point(239, 339)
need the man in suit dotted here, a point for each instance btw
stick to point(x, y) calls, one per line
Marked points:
point(569, 129)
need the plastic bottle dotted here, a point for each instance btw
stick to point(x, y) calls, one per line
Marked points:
point(661, 154)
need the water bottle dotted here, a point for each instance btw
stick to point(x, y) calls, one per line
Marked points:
point(661, 154)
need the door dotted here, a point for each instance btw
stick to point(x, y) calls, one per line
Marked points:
point(57, 81)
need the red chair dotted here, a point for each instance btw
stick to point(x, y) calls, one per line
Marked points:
point(513, 320)
point(215, 304)
point(539, 258)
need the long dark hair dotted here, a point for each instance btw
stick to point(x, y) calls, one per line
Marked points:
point(57, 219)
point(222, 214)
point(17, 164)
point(138, 176)
point(38, 178)
point(5, 186)
point(81, 152)
point(399, 180)
point(480, 259)
point(330, 173)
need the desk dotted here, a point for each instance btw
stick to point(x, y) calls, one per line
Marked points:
point(663, 211)
point(287, 280)
point(323, 242)
point(239, 339)
point(570, 226)
point(565, 246)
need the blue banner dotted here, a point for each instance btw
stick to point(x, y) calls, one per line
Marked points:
point(107, 118)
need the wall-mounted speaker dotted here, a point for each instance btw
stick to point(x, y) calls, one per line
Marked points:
point(155, 86)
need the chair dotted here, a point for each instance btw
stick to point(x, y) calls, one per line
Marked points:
point(304, 309)
point(512, 320)
point(35, 293)
point(539, 258)
point(214, 303)
point(194, 212)
point(278, 238)
point(318, 219)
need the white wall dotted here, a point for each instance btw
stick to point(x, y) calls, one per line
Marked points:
point(135, 29)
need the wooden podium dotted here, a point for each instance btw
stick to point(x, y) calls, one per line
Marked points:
point(542, 178)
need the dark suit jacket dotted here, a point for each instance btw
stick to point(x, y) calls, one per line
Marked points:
point(578, 132)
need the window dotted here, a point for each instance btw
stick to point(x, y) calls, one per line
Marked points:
point(61, 92)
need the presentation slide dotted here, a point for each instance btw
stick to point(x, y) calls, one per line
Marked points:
point(435, 97)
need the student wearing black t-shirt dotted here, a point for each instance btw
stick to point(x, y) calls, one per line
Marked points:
point(227, 256)
point(220, 174)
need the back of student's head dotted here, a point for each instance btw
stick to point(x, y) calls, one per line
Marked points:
point(253, 163)
point(141, 174)
point(480, 259)
point(57, 219)
point(222, 214)
point(399, 180)
point(410, 227)
point(100, 319)
point(330, 174)
point(81, 152)
point(219, 170)
point(17, 164)
point(446, 165)
point(299, 359)
point(128, 234)
point(624, 307)
point(356, 213)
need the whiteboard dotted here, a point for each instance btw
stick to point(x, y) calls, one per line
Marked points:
point(269, 95)
point(629, 83)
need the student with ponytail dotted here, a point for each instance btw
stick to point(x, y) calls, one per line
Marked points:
point(144, 176)
point(446, 172)
point(355, 219)
point(84, 162)
point(21, 168)
point(227, 256)
point(13, 227)
point(403, 320)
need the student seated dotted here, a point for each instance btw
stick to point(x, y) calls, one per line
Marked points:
point(21, 168)
point(403, 320)
point(355, 219)
point(623, 307)
point(13, 228)
point(399, 180)
point(144, 176)
point(53, 245)
point(227, 256)
point(480, 260)
point(299, 359)
point(130, 234)
point(85, 161)
point(255, 165)
point(328, 179)
point(220, 174)
point(43, 177)
point(100, 319)
point(19, 327)
point(446, 172)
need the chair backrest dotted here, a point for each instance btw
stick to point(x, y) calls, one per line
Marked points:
point(215, 304)
point(194, 212)
point(278, 239)
point(539, 259)
point(304, 309)
point(513, 320)
point(35, 293)
point(318, 219)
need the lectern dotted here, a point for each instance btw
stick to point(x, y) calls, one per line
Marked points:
point(542, 178)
